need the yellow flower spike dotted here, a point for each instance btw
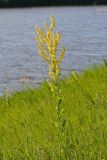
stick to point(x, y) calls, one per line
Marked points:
point(43, 56)
point(52, 23)
point(58, 36)
point(41, 36)
point(62, 54)
point(46, 27)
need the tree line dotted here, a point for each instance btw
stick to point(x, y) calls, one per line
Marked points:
point(28, 3)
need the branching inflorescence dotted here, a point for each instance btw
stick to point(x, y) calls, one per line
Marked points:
point(48, 43)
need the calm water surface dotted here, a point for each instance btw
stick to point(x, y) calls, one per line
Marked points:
point(84, 34)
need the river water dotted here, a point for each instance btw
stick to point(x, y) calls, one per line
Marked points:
point(84, 34)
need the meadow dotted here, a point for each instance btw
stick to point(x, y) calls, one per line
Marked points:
point(28, 120)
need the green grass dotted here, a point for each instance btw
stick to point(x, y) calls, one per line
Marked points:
point(28, 123)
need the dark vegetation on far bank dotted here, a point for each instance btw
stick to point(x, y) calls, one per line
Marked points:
point(29, 3)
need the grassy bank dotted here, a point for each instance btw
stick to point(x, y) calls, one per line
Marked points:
point(28, 127)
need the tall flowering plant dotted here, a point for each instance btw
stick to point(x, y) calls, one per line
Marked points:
point(48, 43)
